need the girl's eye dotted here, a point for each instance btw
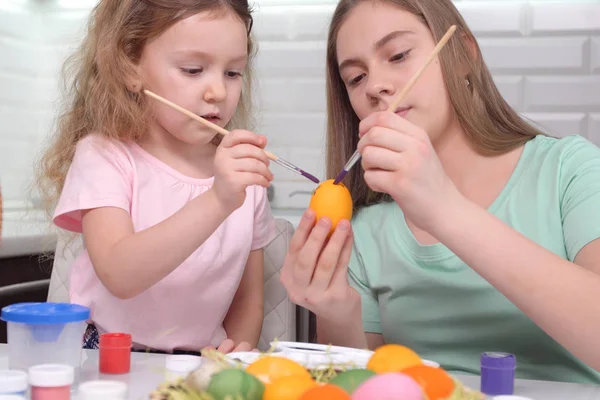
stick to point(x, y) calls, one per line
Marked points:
point(192, 71)
point(401, 56)
point(233, 74)
point(356, 80)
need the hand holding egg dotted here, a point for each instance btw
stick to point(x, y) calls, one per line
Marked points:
point(316, 266)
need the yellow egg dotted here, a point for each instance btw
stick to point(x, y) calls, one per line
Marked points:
point(332, 201)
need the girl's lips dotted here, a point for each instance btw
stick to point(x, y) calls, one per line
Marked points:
point(402, 111)
point(211, 117)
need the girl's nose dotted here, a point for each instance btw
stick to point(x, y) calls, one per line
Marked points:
point(379, 87)
point(215, 92)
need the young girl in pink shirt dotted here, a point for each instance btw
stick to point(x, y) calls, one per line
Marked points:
point(174, 219)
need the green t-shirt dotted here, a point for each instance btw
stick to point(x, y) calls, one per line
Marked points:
point(425, 297)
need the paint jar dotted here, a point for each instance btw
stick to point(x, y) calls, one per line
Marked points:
point(102, 390)
point(115, 353)
point(44, 333)
point(13, 382)
point(51, 381)
point(180, 366)
point(498, 373)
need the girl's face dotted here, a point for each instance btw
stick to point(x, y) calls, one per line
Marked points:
point(198, 64)
point(379, 48)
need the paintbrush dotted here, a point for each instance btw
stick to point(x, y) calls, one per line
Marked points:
point(222, 131)
point(356, 156)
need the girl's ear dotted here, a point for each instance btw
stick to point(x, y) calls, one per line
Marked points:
point(133, 81)
point(134, 85)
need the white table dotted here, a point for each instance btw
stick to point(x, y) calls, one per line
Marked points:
point(148, 372)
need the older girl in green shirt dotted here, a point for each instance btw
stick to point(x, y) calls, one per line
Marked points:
point(473, 231)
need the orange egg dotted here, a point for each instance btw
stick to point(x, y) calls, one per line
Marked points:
point(288, 388)
point(270, 368)
point(333, 201)
point(393, 358)
point(326, 392)
point(435, 382)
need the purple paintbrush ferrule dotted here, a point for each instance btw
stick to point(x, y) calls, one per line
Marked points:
point(293, 168)
point(340, 176)
point(309, 176)
point(353, 160)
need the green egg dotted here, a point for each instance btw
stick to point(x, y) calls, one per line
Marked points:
point(236, 384)
point(351, 379)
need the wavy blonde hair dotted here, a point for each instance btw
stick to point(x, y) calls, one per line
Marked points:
point(96, 98)
point(487, 119)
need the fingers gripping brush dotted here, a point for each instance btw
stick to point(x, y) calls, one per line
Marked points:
point(222, 131)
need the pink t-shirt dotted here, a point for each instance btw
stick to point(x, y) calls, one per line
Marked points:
point(186, 309)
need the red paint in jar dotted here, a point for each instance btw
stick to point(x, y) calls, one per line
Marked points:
point(115, 353)
point(51, 381)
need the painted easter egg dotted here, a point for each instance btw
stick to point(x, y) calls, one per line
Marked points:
point(351, 379)
point(289, 388)
point(435, 382)
point(333, 201)
point(389, 386)
point(325, 392)
point(392, 358)
point(236, 384)
point(270, 368)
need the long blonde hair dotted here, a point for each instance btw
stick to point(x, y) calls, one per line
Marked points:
point(96, 98)
point(487, 119)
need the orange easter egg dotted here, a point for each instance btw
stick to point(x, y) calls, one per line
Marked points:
point(435, 382)
point(271, 368)
point(393, 358)
point(326, 392)
point(288, 388)
point(332, 201)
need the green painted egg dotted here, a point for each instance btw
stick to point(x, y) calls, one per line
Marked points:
point(351, 379)
point(237, 384)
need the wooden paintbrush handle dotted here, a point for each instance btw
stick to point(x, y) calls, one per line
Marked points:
point(416, 76)
point(198, 118)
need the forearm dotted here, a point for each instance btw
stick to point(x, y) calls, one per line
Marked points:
point(244, 321)
point(142, 259)
point(559, 296)
point(349, 334)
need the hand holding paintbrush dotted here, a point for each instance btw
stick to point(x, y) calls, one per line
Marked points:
point(223, 131)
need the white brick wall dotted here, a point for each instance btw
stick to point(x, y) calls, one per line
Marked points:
point(545, 57)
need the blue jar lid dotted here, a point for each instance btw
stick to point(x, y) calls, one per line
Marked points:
point(45, 313)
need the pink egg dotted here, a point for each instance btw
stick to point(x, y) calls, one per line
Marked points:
point(389, 386)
